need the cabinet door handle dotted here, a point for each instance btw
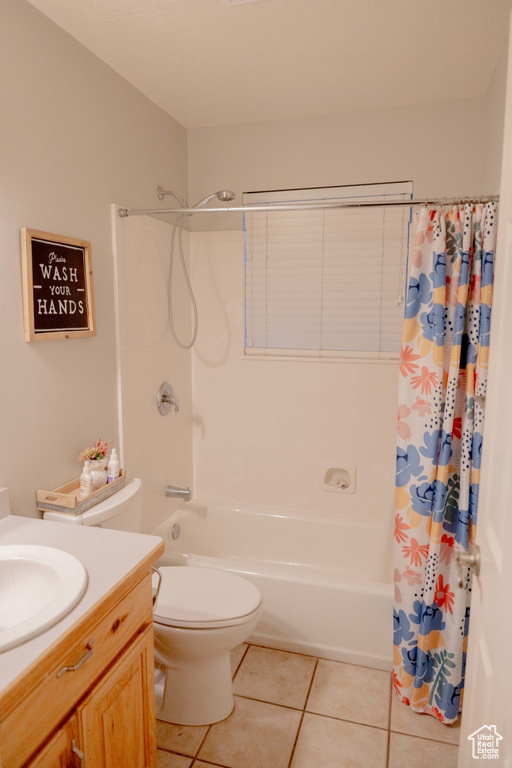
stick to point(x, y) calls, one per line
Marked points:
point(80, 662)
point(78, 753)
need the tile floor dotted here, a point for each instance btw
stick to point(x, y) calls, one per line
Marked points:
point(296, 711)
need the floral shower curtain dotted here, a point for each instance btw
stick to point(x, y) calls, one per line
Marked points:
point(443, 367)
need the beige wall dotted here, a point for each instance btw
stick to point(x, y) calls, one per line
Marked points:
point(74, 137)
point(266, 430)
point(429, 144)
point(493, 125)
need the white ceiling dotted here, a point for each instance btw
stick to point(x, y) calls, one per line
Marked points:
point(208, 63)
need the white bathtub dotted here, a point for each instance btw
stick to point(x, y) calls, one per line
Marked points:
point(326, 582)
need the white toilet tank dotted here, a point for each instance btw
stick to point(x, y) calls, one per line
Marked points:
point(121, 511)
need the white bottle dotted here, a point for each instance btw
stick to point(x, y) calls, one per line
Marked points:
point(86, 481)
point(113, 467)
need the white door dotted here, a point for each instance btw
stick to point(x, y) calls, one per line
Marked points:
point(488, 694)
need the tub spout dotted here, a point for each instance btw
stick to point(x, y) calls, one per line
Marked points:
point(179, 493)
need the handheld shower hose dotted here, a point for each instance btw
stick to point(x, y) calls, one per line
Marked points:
point(223, 195)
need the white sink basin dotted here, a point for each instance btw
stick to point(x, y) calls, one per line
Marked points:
point(38, 587)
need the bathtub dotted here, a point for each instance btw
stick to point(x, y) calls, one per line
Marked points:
point(325, 581)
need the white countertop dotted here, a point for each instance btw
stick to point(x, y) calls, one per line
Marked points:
point(107, 555)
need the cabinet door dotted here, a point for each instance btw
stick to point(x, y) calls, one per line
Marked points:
point(58, 753)
point(118, 717)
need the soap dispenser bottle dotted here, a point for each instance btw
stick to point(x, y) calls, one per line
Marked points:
point(113, 467)
point(86, 481)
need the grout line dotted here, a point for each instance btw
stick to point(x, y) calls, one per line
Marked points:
point(240, 662)
point(345, 720)
point(389, 720)
point(296, 739)
point(271, 703)
point(426, 738)
point(317, 714)
point(204, 738)
point(303, 715)
point(175, 752)
point(321, 658)
point(310, 685)
point(283, 650)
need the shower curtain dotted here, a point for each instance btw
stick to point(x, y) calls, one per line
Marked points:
point(443, 372)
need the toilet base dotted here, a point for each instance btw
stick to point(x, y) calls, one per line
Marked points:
point(197, 694)
point(198, 688)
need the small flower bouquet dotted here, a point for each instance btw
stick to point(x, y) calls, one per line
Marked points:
point(95, 453)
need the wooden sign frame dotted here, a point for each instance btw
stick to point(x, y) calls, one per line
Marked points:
point(58, 295)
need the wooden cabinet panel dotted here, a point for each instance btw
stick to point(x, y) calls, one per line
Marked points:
point(115, 724)
point(118, 718)
point(58, 753)
point(55, 695)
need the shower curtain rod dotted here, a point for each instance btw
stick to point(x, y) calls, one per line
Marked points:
point(124, 212)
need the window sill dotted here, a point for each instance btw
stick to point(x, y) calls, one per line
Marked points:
point(309, 357)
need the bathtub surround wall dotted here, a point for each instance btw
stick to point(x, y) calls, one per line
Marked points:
point(74, 137)
point(266, 431)
point(158, 449)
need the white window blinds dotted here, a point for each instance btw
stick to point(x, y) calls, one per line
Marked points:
point(326, 283)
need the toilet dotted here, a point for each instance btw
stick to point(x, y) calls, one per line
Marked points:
point(200, 615)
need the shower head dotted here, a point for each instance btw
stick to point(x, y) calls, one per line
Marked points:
point(225, 195)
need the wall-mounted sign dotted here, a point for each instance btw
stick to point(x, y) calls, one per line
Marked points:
point(57, 286)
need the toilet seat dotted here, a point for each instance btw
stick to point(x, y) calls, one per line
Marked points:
point(204, 598)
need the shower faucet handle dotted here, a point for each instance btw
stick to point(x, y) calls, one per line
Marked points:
point(166, 400)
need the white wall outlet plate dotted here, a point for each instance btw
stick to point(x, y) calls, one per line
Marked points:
point(340, 479)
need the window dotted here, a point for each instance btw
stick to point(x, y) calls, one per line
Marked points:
point(326, 283)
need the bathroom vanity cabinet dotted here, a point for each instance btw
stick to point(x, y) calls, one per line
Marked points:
point(88, 702)
point(114, 725)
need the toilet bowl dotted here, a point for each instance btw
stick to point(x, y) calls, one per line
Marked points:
point(200, 615)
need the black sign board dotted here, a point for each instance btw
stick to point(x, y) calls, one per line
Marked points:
point(57, 283)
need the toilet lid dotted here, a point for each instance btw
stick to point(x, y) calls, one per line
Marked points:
point(199, 598)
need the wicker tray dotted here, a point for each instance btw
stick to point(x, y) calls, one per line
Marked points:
point(66, 498)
